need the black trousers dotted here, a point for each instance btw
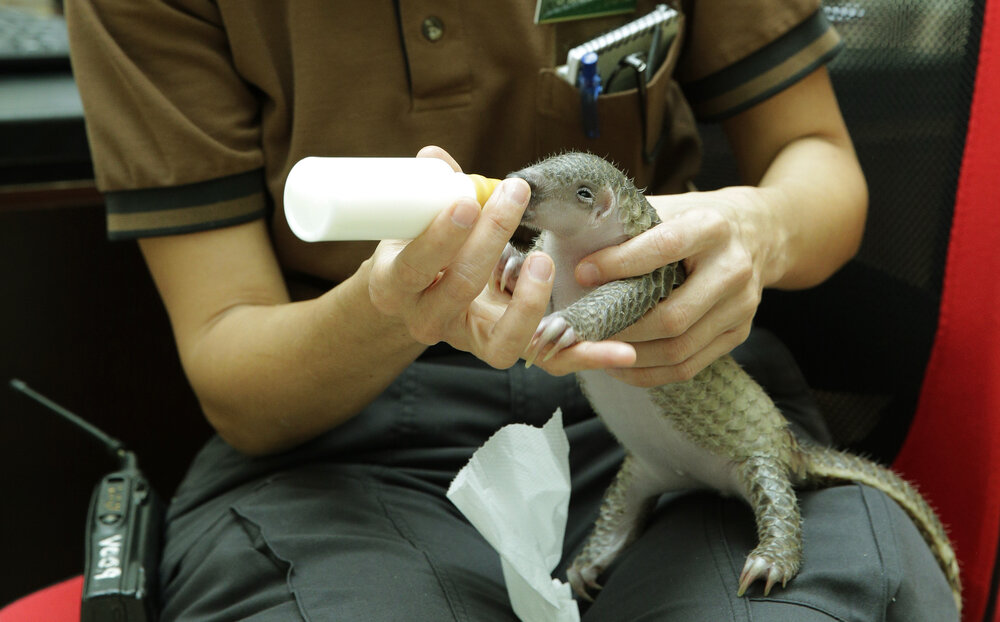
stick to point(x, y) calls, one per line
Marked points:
point(355, 526)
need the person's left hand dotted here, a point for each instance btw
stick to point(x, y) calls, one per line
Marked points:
point(725, 243)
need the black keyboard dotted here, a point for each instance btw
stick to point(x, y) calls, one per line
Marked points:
point(29, 41)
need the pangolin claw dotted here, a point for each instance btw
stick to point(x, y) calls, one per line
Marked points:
point(583, 580)
point(760, 568)
point(553, 332)
point(508, 268)
point(568, 338)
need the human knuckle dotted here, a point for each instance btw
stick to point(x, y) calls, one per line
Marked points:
point(676, 350)
point(378, 297)
point(499, 354)
point(673, 320)
point(741, 268)
point(752, 298)
point(385, 300)
point(503, 360)
point(740, 196)
point(716, 223)
point(628, 375)
point(647, 378)
point(405, 275)
point(665, 241)
point(685, 371)
point(741, 333)
point(461, 283)
point(490, 359)
point(553, 368)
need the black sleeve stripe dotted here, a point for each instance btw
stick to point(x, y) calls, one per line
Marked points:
point(190, 207)
point(765, 72)
point(186, 195)
point(185, 219)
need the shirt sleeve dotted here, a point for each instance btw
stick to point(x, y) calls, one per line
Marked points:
point(739, 53)
point(173, 128)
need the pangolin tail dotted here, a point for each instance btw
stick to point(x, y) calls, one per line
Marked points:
point(825, 465)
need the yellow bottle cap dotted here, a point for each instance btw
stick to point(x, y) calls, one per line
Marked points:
point(484, 187)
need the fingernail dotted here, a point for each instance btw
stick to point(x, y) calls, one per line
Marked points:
point(540, 268)
point(588, 274)
point(464, 215)
point(516, 190)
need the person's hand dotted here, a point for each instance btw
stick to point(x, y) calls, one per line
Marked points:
point(724, 241)
point(440, 284)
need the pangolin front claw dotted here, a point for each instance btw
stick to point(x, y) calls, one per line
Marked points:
point(553, 332)
point(508, 268)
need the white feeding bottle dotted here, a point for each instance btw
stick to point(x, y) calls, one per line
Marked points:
point(373, 198)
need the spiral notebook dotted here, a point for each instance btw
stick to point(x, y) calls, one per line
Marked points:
point(650, 34)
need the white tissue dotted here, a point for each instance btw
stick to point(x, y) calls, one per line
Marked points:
point(515, 491)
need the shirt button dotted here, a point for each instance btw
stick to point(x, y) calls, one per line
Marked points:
point(433, 29)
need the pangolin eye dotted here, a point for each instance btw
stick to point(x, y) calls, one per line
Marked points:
point(585, 194)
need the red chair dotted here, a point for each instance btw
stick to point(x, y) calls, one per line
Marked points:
point(56, 603)
point(951, 445)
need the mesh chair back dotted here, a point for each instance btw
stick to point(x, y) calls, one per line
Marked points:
point(904, 81)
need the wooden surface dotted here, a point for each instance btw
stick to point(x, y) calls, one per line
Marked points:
point(81, 193)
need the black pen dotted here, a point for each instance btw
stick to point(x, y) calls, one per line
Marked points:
point(651, 58)
point(589, 83)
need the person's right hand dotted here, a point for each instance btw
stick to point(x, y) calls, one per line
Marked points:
point(440, 284)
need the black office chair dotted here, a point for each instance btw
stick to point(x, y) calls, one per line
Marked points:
point(901, 346)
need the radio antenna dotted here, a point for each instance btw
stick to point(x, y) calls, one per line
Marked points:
point(113, 445)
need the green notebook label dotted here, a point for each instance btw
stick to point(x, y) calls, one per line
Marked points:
point(547, 11)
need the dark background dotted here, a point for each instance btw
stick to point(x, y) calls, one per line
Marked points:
point(81, 323)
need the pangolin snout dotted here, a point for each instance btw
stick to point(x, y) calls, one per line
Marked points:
point(535, 193)
point(526, 177)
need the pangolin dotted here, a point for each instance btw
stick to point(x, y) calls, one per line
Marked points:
point(718, 430)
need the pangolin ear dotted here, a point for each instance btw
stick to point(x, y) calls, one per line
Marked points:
point(604, 204)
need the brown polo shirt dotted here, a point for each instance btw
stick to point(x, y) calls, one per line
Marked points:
point(197, 109)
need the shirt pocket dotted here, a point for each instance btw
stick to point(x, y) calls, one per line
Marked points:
point(634, 128)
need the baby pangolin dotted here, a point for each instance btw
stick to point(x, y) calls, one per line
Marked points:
point(718, 430)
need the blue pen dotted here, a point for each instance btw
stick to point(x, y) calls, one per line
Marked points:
point(589, 83)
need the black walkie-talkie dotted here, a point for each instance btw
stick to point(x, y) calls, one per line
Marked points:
point(122, 549)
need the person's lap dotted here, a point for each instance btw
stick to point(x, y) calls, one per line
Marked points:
point(335, 543)
point(323, 540)
point(340, 544)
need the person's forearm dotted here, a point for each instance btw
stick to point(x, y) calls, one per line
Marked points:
point(816, 199)
point(796, 148)
point(798, 219)
point(272, 376)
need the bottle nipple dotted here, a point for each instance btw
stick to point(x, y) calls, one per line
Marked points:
point(484, 187)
